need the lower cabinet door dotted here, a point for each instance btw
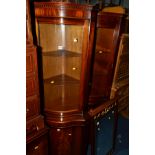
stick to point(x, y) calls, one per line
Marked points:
point(38, 146)
point(68, 141)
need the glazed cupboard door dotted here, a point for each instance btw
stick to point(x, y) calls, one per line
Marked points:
point(107, 39)
point(61, 60)
point(65, 33)
point(62, 52)
point(103, 63)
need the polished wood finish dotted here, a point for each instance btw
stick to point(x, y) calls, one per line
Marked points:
point(77, 20)
point(65, 34)
point(38, 146)
point(107, 39)
point(35, 127)
point(68, 140)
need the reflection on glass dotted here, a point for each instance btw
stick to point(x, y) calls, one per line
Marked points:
point(61, 58)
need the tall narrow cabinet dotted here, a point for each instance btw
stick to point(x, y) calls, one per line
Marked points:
point(65, 34)
point(105, 55)
point(36, 132)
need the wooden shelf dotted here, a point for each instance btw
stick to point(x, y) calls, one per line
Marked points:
point(59, 53)
point(61, 93)
point(61, 80)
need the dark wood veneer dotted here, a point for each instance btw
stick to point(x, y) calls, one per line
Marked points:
point(107, 39)
point(65, 114)
point(35, 127)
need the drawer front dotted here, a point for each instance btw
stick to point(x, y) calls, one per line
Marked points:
point(32, 106)
point(34, 125)
point(31, 86)
point(31, 60)
point(38, 147)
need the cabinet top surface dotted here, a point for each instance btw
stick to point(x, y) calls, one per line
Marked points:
point(63, 5)
point(60, 9)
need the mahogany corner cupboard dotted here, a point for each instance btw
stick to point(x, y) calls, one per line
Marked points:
point(105, 55)
point(65, 35)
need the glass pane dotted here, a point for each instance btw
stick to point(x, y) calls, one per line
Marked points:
point(104, 42)
point(61, 58)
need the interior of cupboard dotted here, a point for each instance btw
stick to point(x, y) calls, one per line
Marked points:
point(61, 61)
point(102, 71)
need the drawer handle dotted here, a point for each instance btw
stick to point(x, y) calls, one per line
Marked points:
point(36, 147)
point(27, 110)
point(32, 129)
point(58, 130)
point(69, 134)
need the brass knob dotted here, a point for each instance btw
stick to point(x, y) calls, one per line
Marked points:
point(75, 40)
point(36, 147)
point(58, 130)
point(100, 52)
point(37, 128)
point(27, 110)
point(52, 82)
point(69, 134)
point(74, 68)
